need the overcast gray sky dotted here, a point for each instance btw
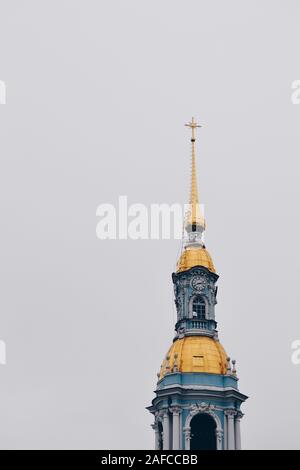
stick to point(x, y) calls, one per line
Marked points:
point(97, 96)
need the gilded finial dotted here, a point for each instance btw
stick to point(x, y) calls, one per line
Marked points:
point(194, 252)
point(195, 219)
point(228, 366)
point(233, 367)
point(194, 189)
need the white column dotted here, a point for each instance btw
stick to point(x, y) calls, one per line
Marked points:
point(176, 428)
point(230, 429)
point(166, 430)
point(187, 433)
point(219, 437)
point(156, 431)
point(237, 430)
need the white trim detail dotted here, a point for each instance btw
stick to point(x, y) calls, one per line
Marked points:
point(206, 409)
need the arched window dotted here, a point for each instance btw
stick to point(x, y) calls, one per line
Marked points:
point(199, 308)
point(203, 432)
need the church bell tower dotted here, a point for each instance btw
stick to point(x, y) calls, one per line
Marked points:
point(197, 404)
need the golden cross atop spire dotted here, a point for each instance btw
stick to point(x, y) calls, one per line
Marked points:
point(193, 125)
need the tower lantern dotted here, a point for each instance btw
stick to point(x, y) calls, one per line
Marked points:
point(197, 404)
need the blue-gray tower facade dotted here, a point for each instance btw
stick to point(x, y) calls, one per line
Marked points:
point(197, 404)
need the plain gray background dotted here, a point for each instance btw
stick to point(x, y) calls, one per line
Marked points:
point(97, 96)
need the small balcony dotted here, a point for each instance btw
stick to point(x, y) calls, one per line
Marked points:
point(195, 326)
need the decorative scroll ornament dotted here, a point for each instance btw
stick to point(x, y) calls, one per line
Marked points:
point(202, 408)
point(230, 413)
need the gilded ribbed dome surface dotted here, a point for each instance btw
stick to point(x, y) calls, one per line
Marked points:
point(192, 256)
point(195, 354)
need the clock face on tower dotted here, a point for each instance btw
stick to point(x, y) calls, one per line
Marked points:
point(198, 283)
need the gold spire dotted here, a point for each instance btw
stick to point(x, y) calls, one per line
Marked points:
point(195, 216)
point(194, 252)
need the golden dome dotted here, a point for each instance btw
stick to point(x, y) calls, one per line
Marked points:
point(192, 256)
point(195, 354)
